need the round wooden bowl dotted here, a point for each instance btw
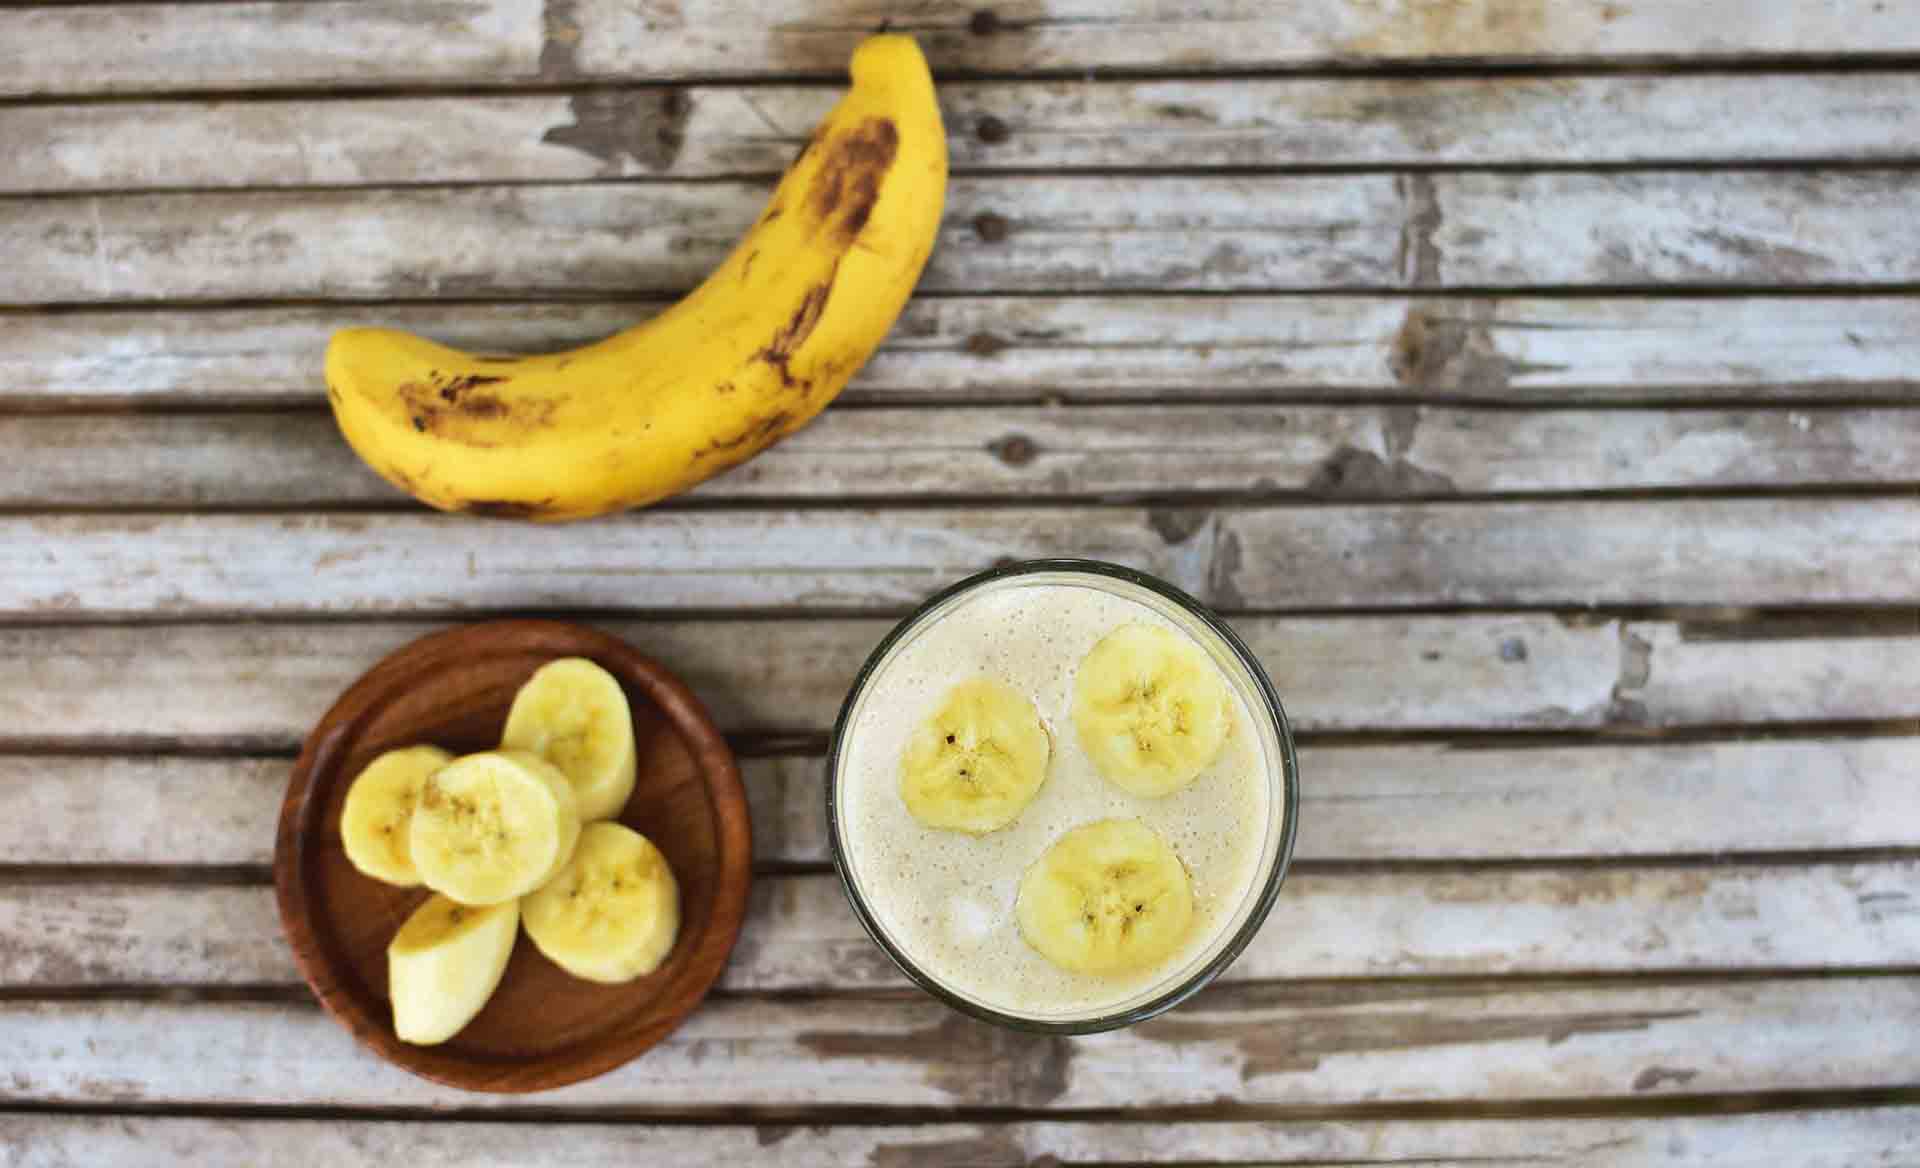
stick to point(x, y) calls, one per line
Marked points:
point(543, 1028)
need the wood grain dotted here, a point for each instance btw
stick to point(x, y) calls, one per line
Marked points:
point(706, 131)
point(1789, 551)
point(541, 1028)
point(1842, 1138)
point(248, 460)
point(131, 48)
point(260, 686)
point(800, 936)
point(1302, 1045)
point(1555, 351)
point(1013, 234)
point(1471, 803)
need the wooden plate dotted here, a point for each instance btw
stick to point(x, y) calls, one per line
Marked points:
point(542, 1028)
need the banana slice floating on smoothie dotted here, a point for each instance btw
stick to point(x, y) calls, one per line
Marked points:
point(574, 714)
point(1107, 897)
point(977, 762)
point(491, 827)
point(612, 913)
point(376, 820)
point(1151, 709)
point(445, 963)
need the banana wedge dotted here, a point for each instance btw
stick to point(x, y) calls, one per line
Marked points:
point(377, 816)
point(751, 355)
point(574, 714)
point(977, 762)
point(445, 963)
point(1151, 709)
point(492, 827)
point(1106, 897)
point(612, 913)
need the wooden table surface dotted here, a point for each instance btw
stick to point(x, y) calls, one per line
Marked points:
point(1533, 382)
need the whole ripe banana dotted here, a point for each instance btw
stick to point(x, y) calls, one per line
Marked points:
point(753, 353)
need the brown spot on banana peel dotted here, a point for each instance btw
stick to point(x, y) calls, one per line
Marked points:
point(790, 336)
point(848, 184)
point(756, 436)
point(458, 410)
point(508, 508)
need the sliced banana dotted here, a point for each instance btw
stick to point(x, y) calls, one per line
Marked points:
point(490, 827)
point(1106, 897)
point(445, 963)
point(575, 715)
point(977, 762)
point(1151, 709)
point(612, 913)
point(379, 810)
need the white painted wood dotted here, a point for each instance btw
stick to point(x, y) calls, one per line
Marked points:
point(706, 131)
point(1846, 1138)
point(298, 459)
point(1549, 350)
point(104, 809)
point(134, 48)
point(1717, 677)
point(263, 686)
point(1279, 1045)
point(1469, 803)
point(129, 48)
point(1073, 233)
point(800, 934)
point(1685, 552)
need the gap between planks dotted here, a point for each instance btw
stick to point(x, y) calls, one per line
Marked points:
point(1376, 232)
point(1109, 454)
point(1265, 1045)
point(125, 48)
point(1542, 803)
point(987, 350)
point(1640, 921)
point(619, 132)
point(1787, 552)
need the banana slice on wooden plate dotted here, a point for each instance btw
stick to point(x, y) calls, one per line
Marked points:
point(376, 821)
point(494, 826)
point(613, 912)
point(574, 714)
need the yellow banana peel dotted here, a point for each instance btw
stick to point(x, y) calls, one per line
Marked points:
point(751, 355)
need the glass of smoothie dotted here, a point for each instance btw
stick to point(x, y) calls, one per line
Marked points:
point(1062, 796)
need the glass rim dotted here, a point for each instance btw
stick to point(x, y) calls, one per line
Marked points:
point(1268, 892)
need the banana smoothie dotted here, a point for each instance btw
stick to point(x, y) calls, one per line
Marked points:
point(1055, 799)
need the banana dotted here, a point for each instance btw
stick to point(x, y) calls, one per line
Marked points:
point(1106, 897)
point(1151, 709)
point(977, 762)
point(574, 714)
point(491, 827)
point(749, 356)
point(445, 963)
point(612, 913)
point(379, 810)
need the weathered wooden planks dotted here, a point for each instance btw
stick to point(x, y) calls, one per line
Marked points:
point(1269, 1045)
point(800, 936)
point(1845, 1138)
point(138, 48)
point(707, 131)
point(1092, 348)
point(1419, 802)
point(276, 460)
point(1012, 234)
point(1787, 551)
point(262, 686)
